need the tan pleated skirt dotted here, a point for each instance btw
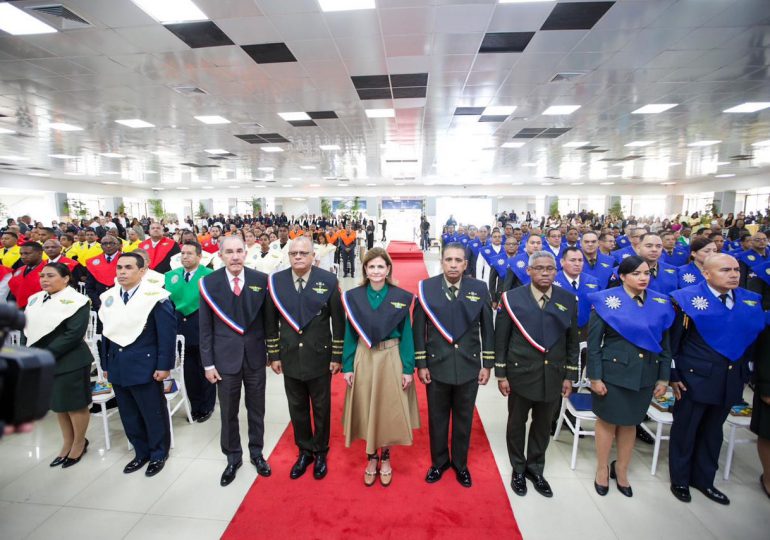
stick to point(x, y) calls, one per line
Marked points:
point(376, 408)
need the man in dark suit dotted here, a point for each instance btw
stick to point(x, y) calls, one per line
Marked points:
point(232, 348)
point(712, 344)
point(305, 344)
point(536, 351)
point(454, 352)
point(137, 351)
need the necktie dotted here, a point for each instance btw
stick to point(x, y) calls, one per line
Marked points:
point(453, 292)
point(125, 298)
point(543, 301)
point(723, 298)
point(639, 300)
point(46, 298)
point(574, 284)
point(109, 258)
point(236, 286)
point(187, 277)
point(300, 284)
point(592, 262)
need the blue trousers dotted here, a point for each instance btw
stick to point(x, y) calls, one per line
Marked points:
point(145, 418)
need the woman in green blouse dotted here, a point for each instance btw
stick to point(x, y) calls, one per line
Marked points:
point(377, 363)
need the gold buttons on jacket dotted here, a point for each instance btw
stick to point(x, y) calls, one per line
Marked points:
point(457, 346)
point(641, 355)
point(614, 359)
point(546, 362)
point(729, 367)
point(301, 345)
point(300, 332)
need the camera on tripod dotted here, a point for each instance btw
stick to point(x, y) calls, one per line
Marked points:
point(26, 374)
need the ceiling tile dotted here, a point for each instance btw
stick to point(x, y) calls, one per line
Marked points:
point(418, 92)
point(462, 18)
point(525, 17)
point(268, 53)
point(409, 79)
point(301, 26)
point(374, 93)
point(576, 15)
point(505, 42)
point(322, 115)
point(456, 43)
point(417, 20)
point(243, 30)
point(199, 34)
point(408, 45)
point(370, 81)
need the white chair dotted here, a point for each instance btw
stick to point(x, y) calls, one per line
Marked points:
point(575, 428)
point(102, 399)
point(735, 422)
point(660, 418)
point(14, 338)
point(91, 330)
point(82, 288)
point(180, 395)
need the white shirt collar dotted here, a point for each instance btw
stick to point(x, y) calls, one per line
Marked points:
point(576, 279)
point(130, 291)
point(231, 277)
point(730, 295)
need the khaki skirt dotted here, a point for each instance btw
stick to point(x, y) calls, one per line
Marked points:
point(376, 408)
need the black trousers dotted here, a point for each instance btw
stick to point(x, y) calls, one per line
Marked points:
point(457, 400)
point(302, 395)
point(201, 393)
point(349, 260)
point(696, 439)
point(252, 379)
point(539, 432)
point(145, 419)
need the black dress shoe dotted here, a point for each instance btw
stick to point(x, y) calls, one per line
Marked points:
point(69, 462)
point(319, 467)
point(714, 494)
point(643, 436)
point(464, 477)
point(625, 490)
point(600, 489)
point(681, 492)
point(229, 474)
point(195, 416)
point(519, 483)
point(541, 484)
point(300, 466)
point(204, 416)
point(155, 466)
point(263, 468)
point(134, 465)
point(58, 461)
point(435, 473)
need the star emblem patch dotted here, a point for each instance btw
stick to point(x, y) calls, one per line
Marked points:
point(521, 264)
point(700, 303)
point(688, 278)
point(612, 302)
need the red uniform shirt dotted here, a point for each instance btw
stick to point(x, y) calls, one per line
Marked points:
point(158, 253)
point(103, 271)
point(23, 286)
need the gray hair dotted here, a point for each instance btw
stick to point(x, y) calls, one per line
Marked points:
point(541, 255)
point(230, 239)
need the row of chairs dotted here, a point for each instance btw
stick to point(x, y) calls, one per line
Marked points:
point(660, 418)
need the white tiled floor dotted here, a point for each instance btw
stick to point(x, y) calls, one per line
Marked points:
point(186, 501)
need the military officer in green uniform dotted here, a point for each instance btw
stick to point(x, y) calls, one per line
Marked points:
point(454, 352)
point(305, 344)
point(182, 283)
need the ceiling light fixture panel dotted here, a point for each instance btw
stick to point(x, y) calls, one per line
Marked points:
point(748, 107)
point(19, 23)
point(272, 149)
point(329, 147)
point(703, 143)
point(639, 144)
point(61, 126)
point(171, 11)
point(512, 144)
point(212, 119)
point(134, 123)
point(345, 5)
point(556, 110)
point(576, 144)
point(655, 108)
point(380, 113)
point(294, 116)
point(499, 110)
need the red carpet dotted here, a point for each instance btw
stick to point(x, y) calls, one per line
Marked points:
point(340, 506)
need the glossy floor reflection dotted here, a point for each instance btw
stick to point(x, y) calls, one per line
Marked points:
point(186, 501)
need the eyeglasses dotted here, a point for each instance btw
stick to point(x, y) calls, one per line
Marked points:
point(299, 253)
point(543, 269)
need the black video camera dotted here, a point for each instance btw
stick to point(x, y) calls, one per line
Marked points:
point(26, 375)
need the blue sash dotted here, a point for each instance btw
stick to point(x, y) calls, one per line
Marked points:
point(689, 275)
point(518, 266)
point(622, 241)
point(728, 331)
point(666, 281)
point(763, 271)
point(498, 261)
point(588, 284)
point(751, 258)
point(463, 239)
point(621, 254)
point(641, 325)
point(602, 270)
point(447, 238)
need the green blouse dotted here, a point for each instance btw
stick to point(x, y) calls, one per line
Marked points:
point(402, 331)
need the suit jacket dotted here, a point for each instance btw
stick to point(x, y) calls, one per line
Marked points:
point(66, 343)
point(305, 353)
point(153, 350)
point(468, 319)
point(533, 373)
point(232, 327)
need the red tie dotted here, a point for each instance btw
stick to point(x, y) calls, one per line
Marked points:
point(236, 286)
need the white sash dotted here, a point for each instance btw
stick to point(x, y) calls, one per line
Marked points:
point(42, 319)
point(176, 260)
point(154, 279)
point(122, 323)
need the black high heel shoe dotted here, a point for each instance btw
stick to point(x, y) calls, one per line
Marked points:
point(58, 461)
point(625, 490)
point(600, 489)
point(69, 462)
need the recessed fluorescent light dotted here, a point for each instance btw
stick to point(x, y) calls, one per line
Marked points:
point(162, 153)
point(704, 143)
point(110, 172)
point(721, 163)
point(577, 183)
point(546, 183)
point(182, 187)
point(606, 183)
point(18, 23)
point(171, 11)
point(329, 147)
point(761, 143)
point(216, 151)
point(287, 185)
point(38, 174)
point(345, 5)
point(749, 107)
point(528, 165)
point(371, 185)
point(110, 183)
point(498, 111)
point(512, 145)
point(14, 158)
point(214, 119)
point(314, 185)
point(158, 189)
point(654, 108)
point(4, 131)
point(61, 126)
point(111, 155)
point(618, 164)
point(233, 187)
point(73, 174)
point(266, 168)
point(380, 113)
point(667, 183)
point(576, 144)
point(149, 172)
point(728, 175)
point(561, 109)
point(614, 176)
point(522, 1)
point(674, 164)
point(294, 116)
point(135, 123)
point(635, 144)
point(208, 187)
point(307, 167)
point(272, 149)
point(62, 156)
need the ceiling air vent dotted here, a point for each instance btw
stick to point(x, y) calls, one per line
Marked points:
point(741, 157)
point(567, 76)
point(189, 90)
point(60, 16)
